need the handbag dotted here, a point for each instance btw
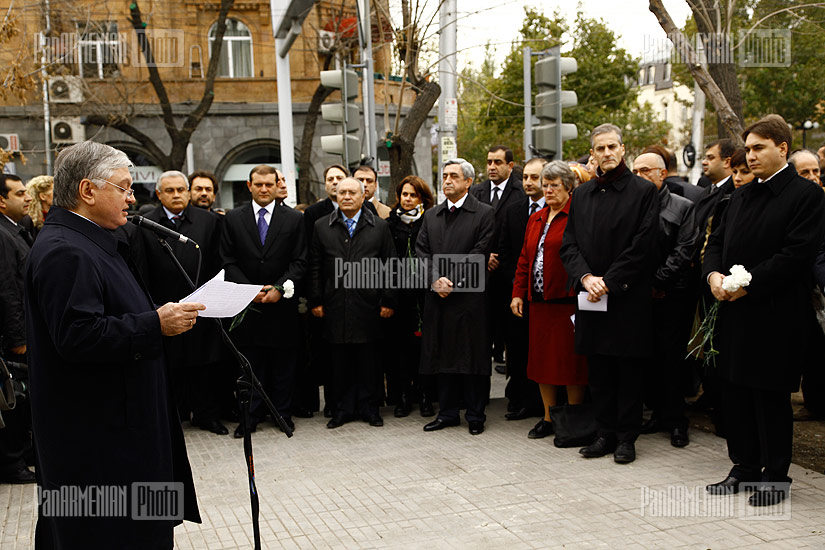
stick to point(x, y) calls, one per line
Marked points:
point(575, 425)
point(7, 398)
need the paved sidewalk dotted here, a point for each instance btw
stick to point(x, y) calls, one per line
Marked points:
point(398, 487)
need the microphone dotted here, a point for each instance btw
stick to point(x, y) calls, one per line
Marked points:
point(160, 230)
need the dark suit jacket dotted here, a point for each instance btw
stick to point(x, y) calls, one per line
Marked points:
point(202, 344)
point(513, 192)
point(351, 315)
point(13, 253)
point(455, 332)
point(101, 409)
point(282, 257)
point(774, 230)
point(611, 233)
point(511, 236)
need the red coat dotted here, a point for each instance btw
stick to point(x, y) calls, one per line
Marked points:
point(555, 277)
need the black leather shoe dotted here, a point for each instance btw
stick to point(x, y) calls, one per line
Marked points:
point(302, 413)
point(625, 452)
point(253, 426)
point(651, 426)
point(213, 426)
point(19, 477)
point(598, 448)
point(541, 430)
point(767, 496)
point(679, 437)
point(375, 420)
point(337, 421)
point(520, 414)
point(403, 408)
point(439, 424)
point(728, 486)
point(327, 412)
point(426, 408)
point(476, 427)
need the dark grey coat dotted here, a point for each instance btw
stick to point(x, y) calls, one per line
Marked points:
point(455, 334)
point(351, 315)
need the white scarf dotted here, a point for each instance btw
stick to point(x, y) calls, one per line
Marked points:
point(409, 216)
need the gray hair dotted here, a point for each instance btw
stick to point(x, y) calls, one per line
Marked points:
point(606, 128)
point(359, 182)
point(796, 155)
point(467, 169)
point(558, 169)
point(171, 174)
point(87, 160)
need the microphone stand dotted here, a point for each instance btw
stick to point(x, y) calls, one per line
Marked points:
point(247, 383)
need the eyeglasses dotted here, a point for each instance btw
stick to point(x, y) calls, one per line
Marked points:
point(129, 192)
point(643, 170)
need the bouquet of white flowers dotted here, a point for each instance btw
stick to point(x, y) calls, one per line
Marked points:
point(702, 341)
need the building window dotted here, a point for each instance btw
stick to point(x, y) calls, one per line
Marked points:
point(99, 49)
point(236, 53)
point(668, 68)
point(651, 74)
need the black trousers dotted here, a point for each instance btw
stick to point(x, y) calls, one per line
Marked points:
point(357, 379)
point(275, 368)
point(305, 396)
point(520, 391)
point(15, 438)
point(760, 432)
point(473, 390)
point(616, 388)
point(499, 295)
point(197, 390)
point(813, 371)
point(665, 372)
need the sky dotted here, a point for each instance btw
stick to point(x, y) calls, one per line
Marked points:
point(499, 21)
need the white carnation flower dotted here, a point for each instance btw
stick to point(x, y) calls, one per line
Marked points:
point(289, 289)
point(738, 278)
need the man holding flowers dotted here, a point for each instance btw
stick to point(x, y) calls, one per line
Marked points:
point(771, 229)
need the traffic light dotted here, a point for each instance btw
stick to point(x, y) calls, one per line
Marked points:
point(344, 113)
point(551, 133)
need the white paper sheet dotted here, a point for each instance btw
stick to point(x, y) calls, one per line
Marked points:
point(585, 305)
point(222, 298)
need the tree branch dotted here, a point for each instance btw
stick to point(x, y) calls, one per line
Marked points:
point(129, 130)
point(731, 122)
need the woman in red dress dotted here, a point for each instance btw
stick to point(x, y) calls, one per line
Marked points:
point(542, 281)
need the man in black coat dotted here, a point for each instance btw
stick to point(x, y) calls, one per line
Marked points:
point(102, 413)
point(607, 250)
point(195, 362)
point(264, 244)
point(773, 227)
point(343, 292)
point(456, 240)
point(500, 191)
point(672, 303)
point(523, 393)
point(14, 248)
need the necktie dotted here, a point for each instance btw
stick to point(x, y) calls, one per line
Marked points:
point(26, 236)
point(533, 208)
point(495, 200)
point(176, 220)
point(350, 225)
point(452, 209)
point(263, 227)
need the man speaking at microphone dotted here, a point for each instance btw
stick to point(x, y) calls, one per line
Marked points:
point(106, 433)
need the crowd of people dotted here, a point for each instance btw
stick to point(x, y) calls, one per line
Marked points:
point(594, 277)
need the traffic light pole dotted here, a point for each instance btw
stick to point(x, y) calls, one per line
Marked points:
point(447, 46)
point(528, 102)
point(368, 82)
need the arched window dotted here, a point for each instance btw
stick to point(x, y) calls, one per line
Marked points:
point(236, 53)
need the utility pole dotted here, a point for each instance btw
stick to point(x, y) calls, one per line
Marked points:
point(368, 82)
point(697, 137)
point(447, 103)
point(528, 102)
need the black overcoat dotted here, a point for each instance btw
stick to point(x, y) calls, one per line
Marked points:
point(202, 344)
point(101, 408)
point(774, 230)
point(351, 312)
point(282, 257)
point(455, 333)
point(611, 233)
point(13, 252)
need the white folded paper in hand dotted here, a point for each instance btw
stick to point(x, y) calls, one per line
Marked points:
point(586, 305)
point(222, 298)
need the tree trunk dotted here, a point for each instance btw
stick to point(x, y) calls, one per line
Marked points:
point(403, 144)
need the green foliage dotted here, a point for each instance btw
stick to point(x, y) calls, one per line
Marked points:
point(491, 107)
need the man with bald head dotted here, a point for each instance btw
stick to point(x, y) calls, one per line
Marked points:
point(807, 165)
point(671, 304)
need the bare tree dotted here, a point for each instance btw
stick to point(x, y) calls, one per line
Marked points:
point(180, 135)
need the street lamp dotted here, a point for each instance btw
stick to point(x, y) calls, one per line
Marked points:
point(807, 125)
